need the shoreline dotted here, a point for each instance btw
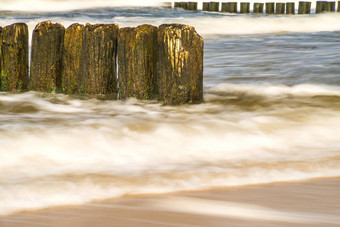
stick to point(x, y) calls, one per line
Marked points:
point(313, 202)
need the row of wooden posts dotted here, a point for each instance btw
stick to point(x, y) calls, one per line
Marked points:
point(103, 61)
point(258, 8)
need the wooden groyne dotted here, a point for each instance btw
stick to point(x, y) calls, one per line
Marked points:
point(270, 8)
point(104, 61)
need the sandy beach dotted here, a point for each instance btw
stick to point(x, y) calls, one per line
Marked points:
point(309, 203)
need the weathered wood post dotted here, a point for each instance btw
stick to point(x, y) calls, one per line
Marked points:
point(46, 57)
point(14, 58)
point(184, 5)
point(270, 7)
point(290, 8)
point(320, 6)
point(192, 6)
point(229, 7)
point(304, 7)
point(179, 64)
point(330, 7)
point(205, 6)
point(99, 54)
point(177, 5)
point(1, 31)
point(214, 6)
point(280, 8)
point(225, 7)
point(258, 7)
point(137, 57)
point(73, 62)
point(245, 7)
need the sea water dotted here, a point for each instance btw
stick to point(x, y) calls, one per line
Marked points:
point(271, 112)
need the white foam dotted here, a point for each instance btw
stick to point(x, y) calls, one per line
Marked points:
point(270, 90)
point(111, 148)
point(66, 5)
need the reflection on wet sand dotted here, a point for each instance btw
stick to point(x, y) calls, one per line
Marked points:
point(313, 203)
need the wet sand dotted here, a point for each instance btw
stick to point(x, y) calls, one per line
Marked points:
point(310, 203)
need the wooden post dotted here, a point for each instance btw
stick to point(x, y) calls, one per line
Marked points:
point(270, 7)
point(229, 7)
point(137, 49)
point(14, 58)
point(304, 7)
point(1, 31)
point(177, 5)
point(225, 7)
point(214, 6)
point(46, 57)
point(280, 8)
point(73, 62)
point(320, 6)
point(205, 6)
point(233, 7)
point(192, 6)
point(290, 8)
point(258, 7)
point(184, 5)
point(245, 7)
point(338, 6)
point(179, 64)
point(100, 52)
point(330, 7)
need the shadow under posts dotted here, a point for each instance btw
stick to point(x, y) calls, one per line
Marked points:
point(164, 63)
point(14, 58)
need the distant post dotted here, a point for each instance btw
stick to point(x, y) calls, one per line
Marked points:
point(137, 49)
point(192, 6)
point(270, 7)
point(245, 7)
point(177, 5)
point(224, 7)
point(1, 31)
point(100, 52)
point(290, 8)
point(214, 6)
point(14, 58)
point(229, 7)
point(280, 8)
point(46, 57)
point(330, 7)
point(304, 7)
point(258, 8)
point(205, 6)
point(320, 6)
point(184, 5)
point(179, 64)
